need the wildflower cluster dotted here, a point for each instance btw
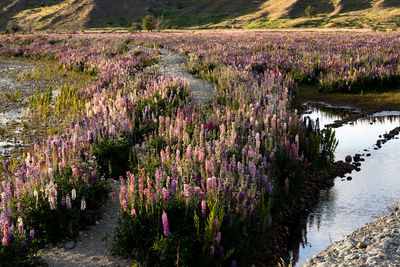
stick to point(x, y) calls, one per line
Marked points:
point(204, 177)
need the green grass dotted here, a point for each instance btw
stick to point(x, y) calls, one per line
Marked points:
point(371, 101)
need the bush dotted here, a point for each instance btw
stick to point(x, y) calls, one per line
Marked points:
point(12, 28)
point(397, 21)
point(149, 23)
point(64, 221)
point(135, 27)
point(311, 11)
point(112, 157)
point(192, 239)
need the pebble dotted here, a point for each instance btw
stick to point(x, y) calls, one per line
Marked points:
point(375, 244)
point(69, 245)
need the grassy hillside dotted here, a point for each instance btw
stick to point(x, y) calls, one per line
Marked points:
point(329, 13)
point(75, 14)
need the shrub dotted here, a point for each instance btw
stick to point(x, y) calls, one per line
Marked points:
point(12, 28)
point(135, 27)
point(397, 21)
point(310, 11)
point(179, 233)
point(64, 221)
point(149, 23)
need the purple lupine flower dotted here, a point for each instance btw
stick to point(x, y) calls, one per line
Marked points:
point(165, 224)
point(31, 234)
point(94, 177)
point(234, 263)
point(23, 246)
point(63, 201)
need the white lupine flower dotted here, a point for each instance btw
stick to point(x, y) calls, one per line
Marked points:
point(68, 201)
point(83, 204)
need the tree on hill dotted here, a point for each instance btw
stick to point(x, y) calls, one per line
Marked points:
point(311, 11)
point(149, 23)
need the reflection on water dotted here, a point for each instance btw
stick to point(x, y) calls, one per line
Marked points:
point(350, 204)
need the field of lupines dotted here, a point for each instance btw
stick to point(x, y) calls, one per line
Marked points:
point(335, 62)
point(200, 185)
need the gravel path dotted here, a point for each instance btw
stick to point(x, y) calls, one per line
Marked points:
point(93, 245)
point(375, 244)
point(173, 64)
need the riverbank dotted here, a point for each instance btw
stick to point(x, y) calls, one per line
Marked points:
point(368, 101)
point(375, 244)
point(310, 190)
point(325, 213)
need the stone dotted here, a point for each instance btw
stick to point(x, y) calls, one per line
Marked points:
point(348, 159)
point(351, 257)
point(69, 245)
point(361, 245)
point(387, 242)
point(349, 243)
point(349, 178)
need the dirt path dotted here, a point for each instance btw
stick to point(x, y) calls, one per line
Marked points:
point(93, 245)
point(173, 64)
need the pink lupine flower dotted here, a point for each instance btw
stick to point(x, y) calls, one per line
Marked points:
point(294, 152)
point(21, 226)
point(124, 204)
point(209, 185)
point(165, 193)
point(4, 241)
point(287, 143)
point(212, 250)
point(207, 166)
point(5, 233)
point(165, 224)
point(218, 237)
point(203, 207)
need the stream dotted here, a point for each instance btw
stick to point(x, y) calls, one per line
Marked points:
point(357, 198)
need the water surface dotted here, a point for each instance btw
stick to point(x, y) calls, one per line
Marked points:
point(350, 204)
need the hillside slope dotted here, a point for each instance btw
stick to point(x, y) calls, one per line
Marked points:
point(73, 14)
